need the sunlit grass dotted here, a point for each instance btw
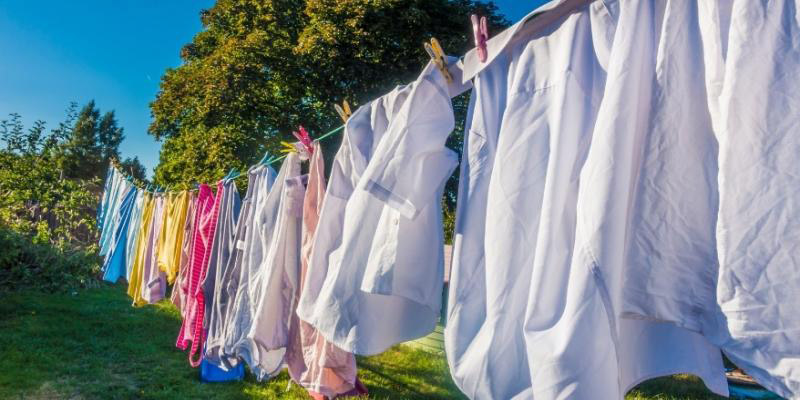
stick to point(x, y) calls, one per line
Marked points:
point(93, 344)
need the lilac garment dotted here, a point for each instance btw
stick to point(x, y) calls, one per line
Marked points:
point(154, 281)
point(258, 235)
point(277, 274)
point(182, 281)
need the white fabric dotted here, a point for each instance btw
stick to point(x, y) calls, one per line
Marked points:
point(758, 230)
point(547, 167)
point(111, 214)
point(386, 189)
point(278, 275)
point(746, 303)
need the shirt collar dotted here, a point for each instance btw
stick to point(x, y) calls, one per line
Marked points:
point(533, 22)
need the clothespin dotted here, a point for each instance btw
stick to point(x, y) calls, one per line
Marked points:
point(302, 135)
point(434, 50)
point(343, 111)
point(288, 147)
point(480, 30)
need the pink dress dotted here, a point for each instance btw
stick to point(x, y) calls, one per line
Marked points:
point(194, 303)
point(325, 370)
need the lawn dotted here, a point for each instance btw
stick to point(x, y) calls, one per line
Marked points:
point(93, 344)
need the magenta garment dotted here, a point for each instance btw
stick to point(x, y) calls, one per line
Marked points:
point(205, 225)
point(319, 366)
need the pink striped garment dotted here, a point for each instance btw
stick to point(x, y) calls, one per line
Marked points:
point(194, 304)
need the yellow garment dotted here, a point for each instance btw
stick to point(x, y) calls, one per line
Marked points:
point(142, 239)
point(170, 240)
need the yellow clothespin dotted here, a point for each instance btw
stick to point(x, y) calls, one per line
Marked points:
point(434, 49)
point(343, 111)
point(288, 147)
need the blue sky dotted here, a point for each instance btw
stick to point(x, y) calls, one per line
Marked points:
point(54, 51)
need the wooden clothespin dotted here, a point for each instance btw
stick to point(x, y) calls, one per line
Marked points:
point(343, 111)
point(434, 50)
point(480, 30)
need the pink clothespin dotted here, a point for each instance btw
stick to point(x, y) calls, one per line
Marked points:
point(302, 135)
point(480, 28)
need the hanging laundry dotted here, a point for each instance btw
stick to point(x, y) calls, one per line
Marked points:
point(134, 226)
point(170, 239)
point(240, 285)
point(135, 283)
point(325, 370)
point(385, 208)
point(192, 329)
point(744, 303)
point(116, 189)
point(114, 264)
point(216, 297)
point(154, 281)
point(542, 292)
point(278, 275)
point(179, 290)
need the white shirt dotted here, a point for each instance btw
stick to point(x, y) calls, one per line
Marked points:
point(539, 301)
point(385, 279)
point(747, 302)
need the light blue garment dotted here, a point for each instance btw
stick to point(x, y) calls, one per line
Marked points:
point(119, 188)
point(134, 226)
point(114, 265)
point(101, 210)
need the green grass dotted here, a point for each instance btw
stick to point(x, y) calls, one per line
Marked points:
point(93, 344)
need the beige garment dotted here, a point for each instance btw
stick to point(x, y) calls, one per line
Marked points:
point(314, 363)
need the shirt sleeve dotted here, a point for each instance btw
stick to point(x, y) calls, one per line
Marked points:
point(411, 162)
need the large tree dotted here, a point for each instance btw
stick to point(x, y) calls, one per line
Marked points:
point(261, 67)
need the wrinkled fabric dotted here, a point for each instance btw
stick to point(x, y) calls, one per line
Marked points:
point(758, 230)
point(194, 303)
point(314, 363)
point(258, 237)
point(390, 259)
point(278, 276)
point(142, 239)
point(154, 281)
point(553, 135)
point(237, 310)
point(214, 285)
point(170, 240)
point(734, 284)
point(114, 265)
point(134, 226)
point(179, 290)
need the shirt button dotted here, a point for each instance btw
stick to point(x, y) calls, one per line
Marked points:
point(396, 221)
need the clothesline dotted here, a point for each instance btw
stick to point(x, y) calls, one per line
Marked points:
point(239, 175)
point(273, 161)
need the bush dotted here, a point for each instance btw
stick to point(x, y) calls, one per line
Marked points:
point(26, 264)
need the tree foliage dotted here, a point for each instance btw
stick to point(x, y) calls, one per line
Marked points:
point(89, 141)
point(261, 67)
